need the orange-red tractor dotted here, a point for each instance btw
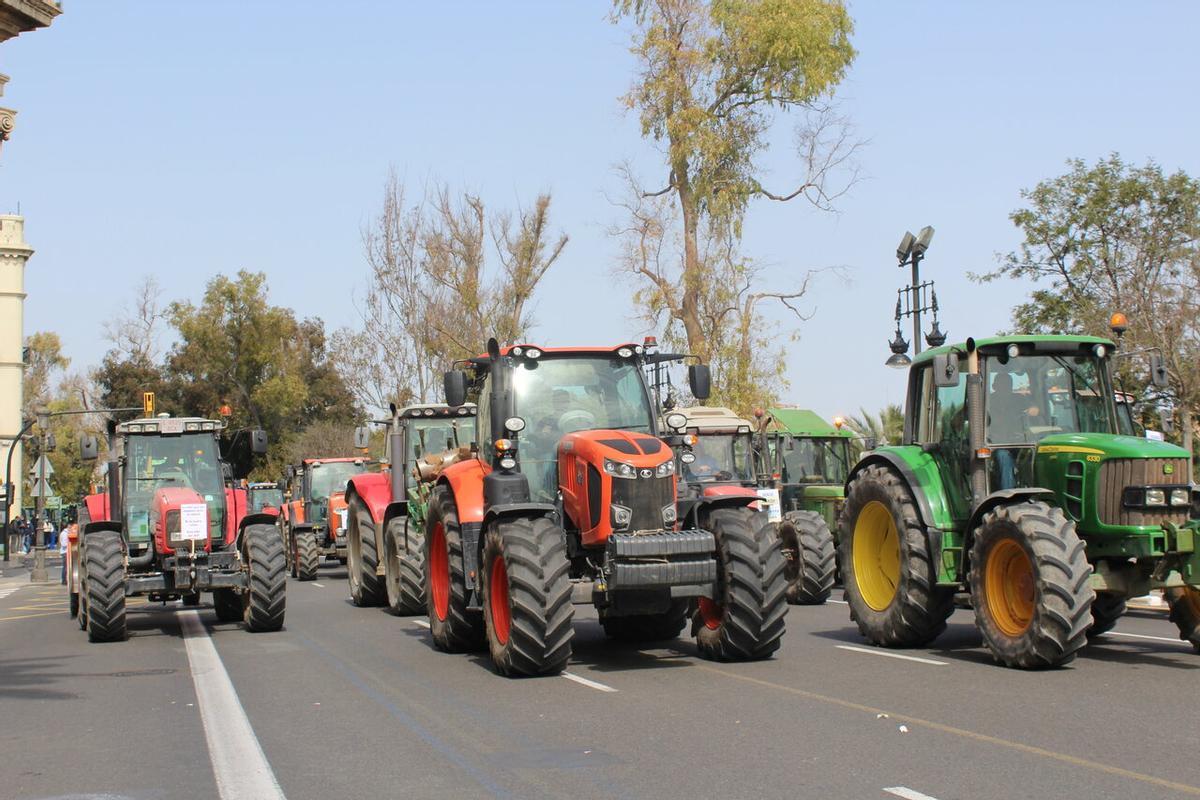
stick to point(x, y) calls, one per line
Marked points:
point(169, 526)
point(386, 519)
point(571, 497)
point(313, 520)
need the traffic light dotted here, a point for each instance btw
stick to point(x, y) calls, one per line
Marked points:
point(148, 404)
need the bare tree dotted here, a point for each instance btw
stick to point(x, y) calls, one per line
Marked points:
point(135, 333)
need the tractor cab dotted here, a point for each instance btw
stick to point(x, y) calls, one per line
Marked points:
point(721, 451)
point(806, 459)
point(264, 498)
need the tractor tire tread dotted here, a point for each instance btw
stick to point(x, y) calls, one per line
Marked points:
point(308, 556)
point(104, 564)
point(811, 575)
point(265, 599)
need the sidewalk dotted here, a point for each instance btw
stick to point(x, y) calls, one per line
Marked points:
point(21, 565)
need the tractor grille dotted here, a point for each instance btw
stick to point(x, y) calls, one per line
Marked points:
point(1118, 473)
point(645, 497)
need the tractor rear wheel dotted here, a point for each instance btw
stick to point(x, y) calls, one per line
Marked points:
point(366, 589)
point(527, 607)
point(1029, 585)
point(1185, 613)
point(308, 556)
point(1107, 608)
point(104, 579)
point(228, 605)
point(404, 567)
point(289, 551)
point(454, 628)
point(265, 598)
point(73, 580)
point(648, 627)
point(745, 619)
point(808, 556)
point(888, 571)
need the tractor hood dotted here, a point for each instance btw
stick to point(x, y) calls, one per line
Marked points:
point(167, 500)
point(638, 450)
point(1108, 446)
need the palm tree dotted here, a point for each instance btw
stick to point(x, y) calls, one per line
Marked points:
point(886, 427)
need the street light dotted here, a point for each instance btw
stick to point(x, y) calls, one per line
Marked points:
point(915, 299)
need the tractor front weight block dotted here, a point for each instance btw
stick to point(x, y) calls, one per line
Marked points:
point(683, 560)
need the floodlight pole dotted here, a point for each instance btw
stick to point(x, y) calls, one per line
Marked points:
point(917, 255)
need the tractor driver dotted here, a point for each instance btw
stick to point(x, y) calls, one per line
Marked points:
point(1008, 417)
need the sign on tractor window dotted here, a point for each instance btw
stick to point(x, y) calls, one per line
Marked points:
point(193, 522)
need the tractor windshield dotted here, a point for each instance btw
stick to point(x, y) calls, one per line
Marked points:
point(1029, 397)
point(438, 434)
point(816, 461)
point(557, 396)
point(720, 458)
point(329, 477)
point(265, 497)
point(188, 461)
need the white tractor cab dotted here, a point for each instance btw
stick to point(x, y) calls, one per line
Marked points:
point(717, 452)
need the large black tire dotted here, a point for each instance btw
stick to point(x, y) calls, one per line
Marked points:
point(1185, 613)
point(308, 556)
point(745, 619)
point(289, 550)
point(892, 588)
point(228, 605)
point(265, 599)
point(648, 627)
point(1029, 585)
point(454, 628)
point(104, 584)
point(404, 567)
point(73, 582)
point(1107, 608)
point(366, 586)
point(527, 596)
point(809, 557)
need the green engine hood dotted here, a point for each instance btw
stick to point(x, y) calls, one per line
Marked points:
point(1109, 446)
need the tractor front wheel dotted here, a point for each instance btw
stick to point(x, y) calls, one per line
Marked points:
point(228, 605)
point(1107, 608)
point(1029, 585)
point(454, 628)
point(404, 567)
point(888, 570)
point(808, 556)
point(265, 598)
point(308, 556)
point(104, 571)
point(366, 589)
point(1185, 613)
point(527, 596)
point(745, 619)
point(73, 579)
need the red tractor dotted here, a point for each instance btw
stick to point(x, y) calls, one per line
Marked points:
point(264, 498)
point(169, 527)
point(570, 497)
point(386, 510)
point(313, 521)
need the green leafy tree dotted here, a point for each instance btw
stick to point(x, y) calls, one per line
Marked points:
point(885, 427)
point(713, 77)
point(1113, 237)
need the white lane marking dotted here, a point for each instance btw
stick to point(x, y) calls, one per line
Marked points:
point(318, 585)
point(239, 765)
point(421, 622)
point(875, 651)
point(839, 602)
point(590, 684)
point(907, 793)
point(1152, 638)
point(7, 590)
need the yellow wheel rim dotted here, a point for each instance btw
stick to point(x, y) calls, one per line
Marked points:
point(876, 549)
point(1009, 587)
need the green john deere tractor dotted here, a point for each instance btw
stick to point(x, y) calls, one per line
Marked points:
point(1015, 483)
point(805, 460)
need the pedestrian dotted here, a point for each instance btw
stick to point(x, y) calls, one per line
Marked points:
point(49, 535)
point(27, 534)
point(64, 541)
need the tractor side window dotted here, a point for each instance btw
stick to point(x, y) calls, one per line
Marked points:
point(925, 399)
point(950, 418)
point(483, 416)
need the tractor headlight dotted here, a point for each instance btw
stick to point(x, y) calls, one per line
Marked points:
point(687, 458)
point(1181, 497)
point(621, 516)
point(676, 421)
point(1156, 497)
point(669, 515)
point(665, 469)
point(619, 469)
point(514, 424)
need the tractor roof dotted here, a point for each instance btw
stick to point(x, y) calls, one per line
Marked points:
point(262, 485)
point(332, 460)
point(802, 422)
point(166, 424)
point(437, 410)
point(713, 419)
point(1041, 344)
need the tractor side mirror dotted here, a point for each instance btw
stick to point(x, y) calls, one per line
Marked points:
point(281, 486)
point(258, 441)
point(362, 437)
point(455, 382)
point(89, 448)
point(945, 370)
point(289, 472)
point(700, 381)
point(1166, 421)
point(1158, 371)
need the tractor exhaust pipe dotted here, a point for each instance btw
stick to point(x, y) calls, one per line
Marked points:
point(975, 421)
point(399, 468)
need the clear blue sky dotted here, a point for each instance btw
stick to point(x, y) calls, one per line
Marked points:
point(188, 138)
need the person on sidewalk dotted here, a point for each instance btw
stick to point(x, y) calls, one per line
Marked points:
point(64, 541)
point(49, 535)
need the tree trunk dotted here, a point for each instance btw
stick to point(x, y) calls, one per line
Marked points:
point(693, 270)
point(1185, 423)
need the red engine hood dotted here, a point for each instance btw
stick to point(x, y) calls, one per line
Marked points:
point(729, 490)
point(638, 449)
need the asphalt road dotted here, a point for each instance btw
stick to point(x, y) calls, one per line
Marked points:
point(354, 703)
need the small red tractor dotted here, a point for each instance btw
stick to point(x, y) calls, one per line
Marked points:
point(570, 496)
point(313, 520)
point(387, 509)
point(169, 527)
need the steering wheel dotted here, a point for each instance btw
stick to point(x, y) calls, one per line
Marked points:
point(576, 420)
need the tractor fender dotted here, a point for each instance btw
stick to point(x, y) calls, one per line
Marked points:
point(101, 525)
point(518, 510)
point(691, 509)
point(1000, 498)
point(252, 519)
point(897, 463)
point(97, 507)
point(375, 489)
point(395, 509)
point(465, 480)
